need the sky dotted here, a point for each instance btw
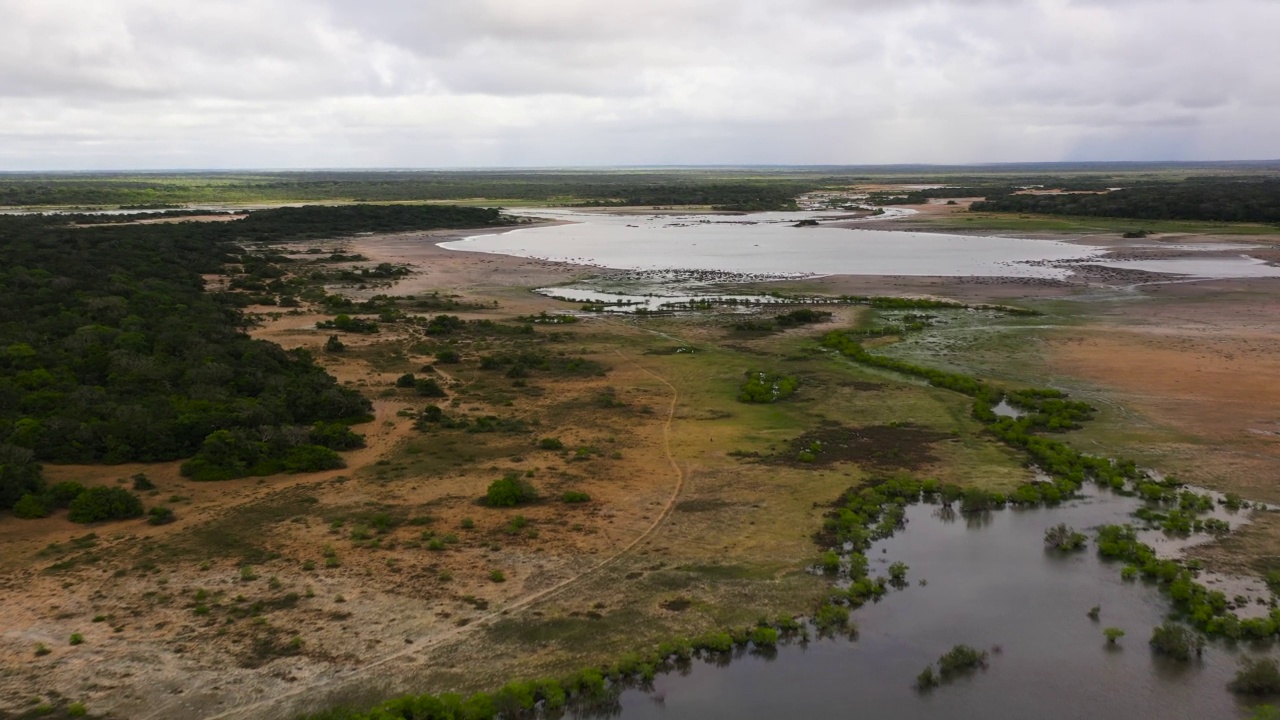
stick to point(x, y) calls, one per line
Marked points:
point(170, 84)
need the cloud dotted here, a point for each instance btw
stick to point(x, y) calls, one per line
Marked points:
point(412, 83)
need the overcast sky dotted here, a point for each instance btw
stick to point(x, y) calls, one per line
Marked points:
point(102, 84)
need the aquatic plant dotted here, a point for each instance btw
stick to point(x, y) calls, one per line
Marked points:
point(1256, 676)
point(1065, 538)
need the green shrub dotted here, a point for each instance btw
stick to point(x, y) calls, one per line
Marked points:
point(497, 576)
point(60, 495)
point(1176, 641)
point(77, 709)
point(1112, 634)
point(1256, 676)
point(1064, 538)
point(550, 443)
point(76, 639)
point(428, 387)
point(961, 659)
point(575, 496)
point(161, 516)
point(510, 491)
point(30, 507)
point(762, 387)
point(142, 483)
point(448, 357)
point(104, 503)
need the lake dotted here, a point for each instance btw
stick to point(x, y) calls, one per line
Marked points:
point(769, 244)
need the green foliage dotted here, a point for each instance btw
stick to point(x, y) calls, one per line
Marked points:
point(76, 639)
point(1065, 538)
point(1112, 634)
point(550, 443)
point(30, 507)
point(1256, 676)
point(575, 496)
point(448, 357)
point(927, 679)
point(334, 345)
point(961, 659)
point(161, 516)
point(509, 491)
point(497, 576)
point(77, 709)
point(228, 454)
point(104, 503)
point(19, 473)
point(112, 351)
point(1176, 641)
point(1209, 199)
point(762, 387)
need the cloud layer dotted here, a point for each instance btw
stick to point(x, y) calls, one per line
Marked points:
point(447, 83)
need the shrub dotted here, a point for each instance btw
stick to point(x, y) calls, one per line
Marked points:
point(104, 503)
point(762, 387)
point(1256, 677)
point(76, 639)
point(1064, 538)
point(161, 516)
point(574, 496)
point(448, 357)
point(335, 436)
point(510, 491)
point(60, 495)
point(428, 387)
point(550, 443)
point(142, 483)
point(405, 381)
point(1112, 634)
point(497, 576)
point(960, 659)
point(30, 507)
point(334, 345)
point(1176, 641)
point(312, 458)
point(927, 678)
point(77, 709)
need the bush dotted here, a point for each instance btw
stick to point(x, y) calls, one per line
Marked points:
point(1256, 677)
point(549, 443)
point(76, 639)
point(334, 345)
point(77, 709)
point(161, 516)
point(335, 436)
point(510, 491)
point(428, 387)
point(142, 483)
point(312, 458)
point(1112, 634)
point(574, 496)
point(61, 494)
point(104, 503)
point(960, 659)
point(1176, 641)
point(1064, 538)
point(927, 678)
point(405, 381)
point(762, 387)
point(448, 357)
point(497, 576)
point(30, 507)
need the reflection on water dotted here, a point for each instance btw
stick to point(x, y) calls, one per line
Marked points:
point(1215, 267)
point(985, 581)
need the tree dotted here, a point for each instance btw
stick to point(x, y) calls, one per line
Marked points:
point(1256, 676)
point(19, 474)
point(1112, 634)
point(30, 507)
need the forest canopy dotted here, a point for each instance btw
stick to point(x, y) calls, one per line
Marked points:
point(112, 351)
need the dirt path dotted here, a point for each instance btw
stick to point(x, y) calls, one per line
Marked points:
point(520, 604)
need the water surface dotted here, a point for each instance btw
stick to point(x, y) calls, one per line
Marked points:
point(989, 582)
point(769, 243)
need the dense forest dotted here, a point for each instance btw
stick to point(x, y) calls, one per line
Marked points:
point(112, 351)
point(1206, 199)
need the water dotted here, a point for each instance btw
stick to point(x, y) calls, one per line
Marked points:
point(768, 243)
point(1210, 267)
point(989, 582)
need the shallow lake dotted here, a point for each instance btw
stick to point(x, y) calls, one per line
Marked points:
point(990, 582)
point(1214, 267)
point(768, 243)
